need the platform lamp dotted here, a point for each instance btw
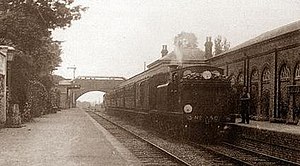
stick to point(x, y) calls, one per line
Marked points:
point(10, 58)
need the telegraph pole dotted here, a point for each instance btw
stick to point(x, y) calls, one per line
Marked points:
point(74, 69)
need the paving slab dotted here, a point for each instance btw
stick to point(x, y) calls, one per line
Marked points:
point(68, 138)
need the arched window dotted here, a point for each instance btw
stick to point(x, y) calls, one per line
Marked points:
point(285, 73)
point(254, 76)
point(297, 72)
point(266, 75)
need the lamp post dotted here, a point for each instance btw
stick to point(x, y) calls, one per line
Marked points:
point(14, 118)
point(10, 58)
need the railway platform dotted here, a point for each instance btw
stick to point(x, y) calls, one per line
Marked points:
point(268, 126)
point(276, 139)
point(281, 134)
point(70, 137)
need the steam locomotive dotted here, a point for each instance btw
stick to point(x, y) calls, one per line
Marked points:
point(190, 102)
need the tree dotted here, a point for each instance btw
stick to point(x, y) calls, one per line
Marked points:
point(186, 40)
point(27, 25)
point(221, 45)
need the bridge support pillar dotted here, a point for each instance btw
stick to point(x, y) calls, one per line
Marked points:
point(73, 100)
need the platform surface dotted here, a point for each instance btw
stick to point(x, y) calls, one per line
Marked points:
point(67, 138)
point(266, 125)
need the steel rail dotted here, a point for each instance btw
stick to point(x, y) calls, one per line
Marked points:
point(241, 162)
point(262, 154)
point(169, 154)
point(272, 144)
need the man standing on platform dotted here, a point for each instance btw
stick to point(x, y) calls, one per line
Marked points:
point(245, 105)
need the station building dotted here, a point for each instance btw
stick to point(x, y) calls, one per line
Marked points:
point(269, 66)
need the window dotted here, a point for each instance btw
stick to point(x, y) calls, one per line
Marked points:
point(266, 75)
point(297, 72)
point(285, 73)
point(254, 76)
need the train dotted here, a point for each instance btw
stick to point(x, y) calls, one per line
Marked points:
point(189, 102)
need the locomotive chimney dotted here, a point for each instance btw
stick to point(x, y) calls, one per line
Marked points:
point(208, 48)
point(164, 50)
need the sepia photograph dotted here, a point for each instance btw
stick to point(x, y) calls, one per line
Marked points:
point(149, 82)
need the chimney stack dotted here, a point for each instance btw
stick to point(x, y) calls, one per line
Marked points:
point(164, 50)
point(208, 48)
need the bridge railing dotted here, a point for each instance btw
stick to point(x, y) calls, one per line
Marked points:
point(100, 78)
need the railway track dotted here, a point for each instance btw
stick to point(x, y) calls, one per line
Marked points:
point(244, 156)
point(147, 152)
point(279, 151)
point(191, 153)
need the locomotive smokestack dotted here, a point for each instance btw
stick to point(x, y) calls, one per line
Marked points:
point(164, 50)
point(208, 48)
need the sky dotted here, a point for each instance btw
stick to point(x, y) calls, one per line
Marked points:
point(116, 37)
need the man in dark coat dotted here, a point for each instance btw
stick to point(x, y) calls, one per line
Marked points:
point(245, 105)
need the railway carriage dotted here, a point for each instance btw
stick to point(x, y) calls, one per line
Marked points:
point(190, 102)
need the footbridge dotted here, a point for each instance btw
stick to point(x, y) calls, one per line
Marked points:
point(95, 83)
point(71, 90)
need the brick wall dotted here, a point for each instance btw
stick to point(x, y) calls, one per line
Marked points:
point(273, 54)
